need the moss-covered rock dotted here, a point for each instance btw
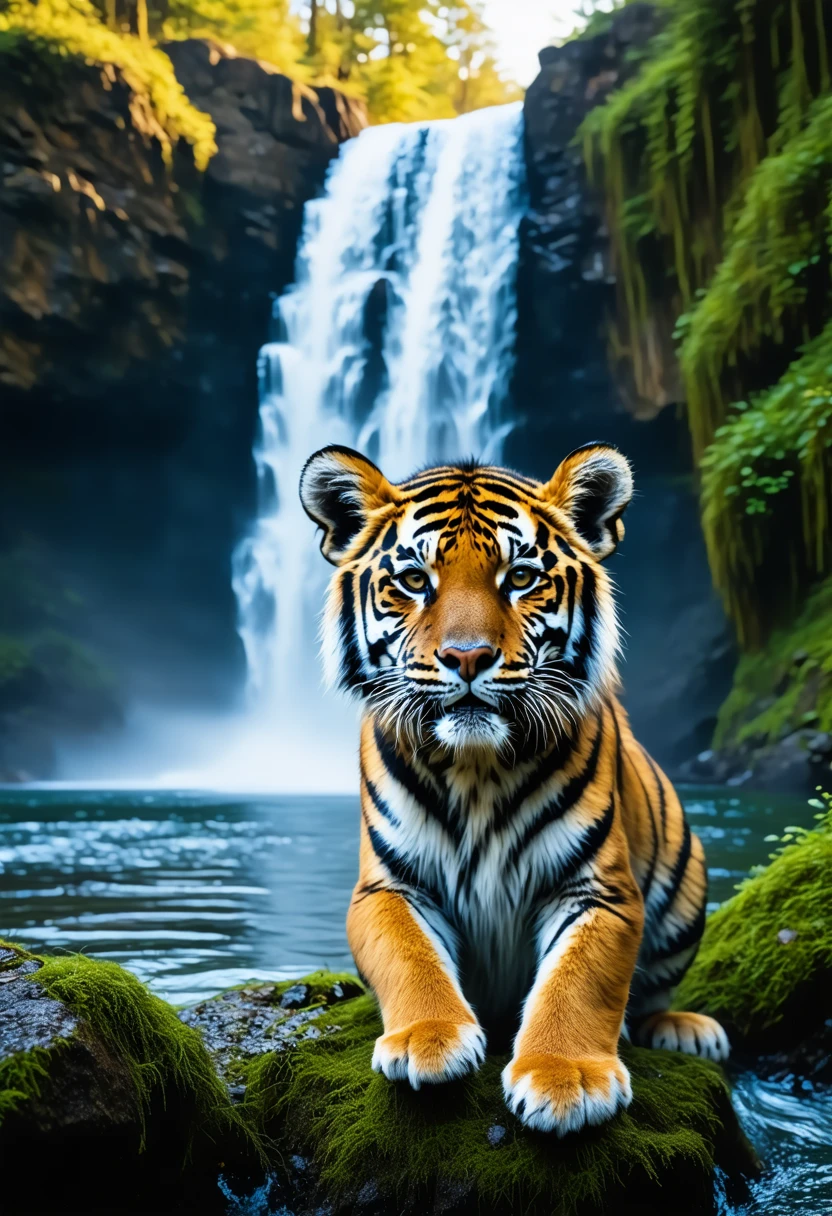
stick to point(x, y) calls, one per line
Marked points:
point(273, 1082)
point(764, 968)
point(354, 1142)
point(101, 1079)
point(716, 164)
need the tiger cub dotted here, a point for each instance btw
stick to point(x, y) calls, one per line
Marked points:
point(525, 866)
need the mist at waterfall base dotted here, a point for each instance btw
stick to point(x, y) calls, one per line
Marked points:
point(397, 338)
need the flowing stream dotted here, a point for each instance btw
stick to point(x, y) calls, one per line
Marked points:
point(397, 338)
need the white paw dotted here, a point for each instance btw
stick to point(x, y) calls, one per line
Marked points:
point(560, 1095)
point(693, 1033)
point(429, 1052)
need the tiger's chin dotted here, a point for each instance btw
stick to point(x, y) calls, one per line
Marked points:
point(472, 730)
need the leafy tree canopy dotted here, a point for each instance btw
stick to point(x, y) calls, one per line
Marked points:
point(409, 59)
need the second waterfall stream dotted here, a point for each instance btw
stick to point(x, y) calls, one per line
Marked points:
point(397, 338)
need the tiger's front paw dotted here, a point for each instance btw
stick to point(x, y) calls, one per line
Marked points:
point(693, 1033)
point(430, 1051)
point(556, 1094)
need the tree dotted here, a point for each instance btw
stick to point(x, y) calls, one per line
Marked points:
point(265, 29)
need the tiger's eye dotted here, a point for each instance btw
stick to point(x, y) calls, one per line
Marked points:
point(521, 578)
point(414, 580)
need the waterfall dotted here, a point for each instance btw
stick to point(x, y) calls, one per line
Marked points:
point(397, 338)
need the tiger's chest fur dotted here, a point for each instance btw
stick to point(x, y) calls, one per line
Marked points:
point(484, 850)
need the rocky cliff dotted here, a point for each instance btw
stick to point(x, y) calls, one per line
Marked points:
point(134, 295)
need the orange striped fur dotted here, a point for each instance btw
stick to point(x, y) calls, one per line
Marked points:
point(526, 869)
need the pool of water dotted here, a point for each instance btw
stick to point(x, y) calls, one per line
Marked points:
point(196, 892)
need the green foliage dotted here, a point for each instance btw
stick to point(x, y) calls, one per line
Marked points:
point(717, 163)
point(61, 28)
point(765, 486)
point(763, 989)
point(322, 1096)
point(264, 29)
point(785, 685)
point(408, 59)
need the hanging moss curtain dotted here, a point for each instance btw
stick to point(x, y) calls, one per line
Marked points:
point(716, 163)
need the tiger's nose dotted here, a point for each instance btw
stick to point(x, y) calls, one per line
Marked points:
point(469, 663)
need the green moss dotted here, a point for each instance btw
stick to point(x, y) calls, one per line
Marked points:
point(765, 481)
point(23, 1076)
point(72, 28)
point(785, 685)
point(744, 975)
point(163, 1056)
point(322, 1097)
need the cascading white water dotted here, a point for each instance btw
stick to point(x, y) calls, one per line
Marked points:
point(397, 338)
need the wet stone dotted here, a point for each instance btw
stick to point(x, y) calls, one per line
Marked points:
point(496, 1135)
point(28, 1017)
point(295, 997)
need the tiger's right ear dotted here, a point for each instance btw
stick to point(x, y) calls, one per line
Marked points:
point(339, 488)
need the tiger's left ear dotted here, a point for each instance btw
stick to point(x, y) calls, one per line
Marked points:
point(339, 488)
point(593, 487)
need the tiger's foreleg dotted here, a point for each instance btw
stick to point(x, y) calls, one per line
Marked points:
point(565, 1071)
point(430, 1031)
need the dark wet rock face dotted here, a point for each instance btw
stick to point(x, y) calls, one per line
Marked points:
point(795, 764)
point(804, 1068)
point(566, 284)
point(28, 1018)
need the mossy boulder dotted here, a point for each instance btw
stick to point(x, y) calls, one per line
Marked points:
point(298, 1059)
point(100, 1079)
point(764, 968)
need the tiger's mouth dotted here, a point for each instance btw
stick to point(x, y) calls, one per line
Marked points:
point(471, 705)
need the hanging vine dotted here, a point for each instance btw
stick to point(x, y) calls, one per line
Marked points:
point(716, 164)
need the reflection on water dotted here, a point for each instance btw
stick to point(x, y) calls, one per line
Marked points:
point(192, 893)
point(197, 892)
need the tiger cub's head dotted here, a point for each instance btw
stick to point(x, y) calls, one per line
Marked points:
point(469, 607)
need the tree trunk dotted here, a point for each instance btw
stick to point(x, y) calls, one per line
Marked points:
point(312, 42)
point(141, 20)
